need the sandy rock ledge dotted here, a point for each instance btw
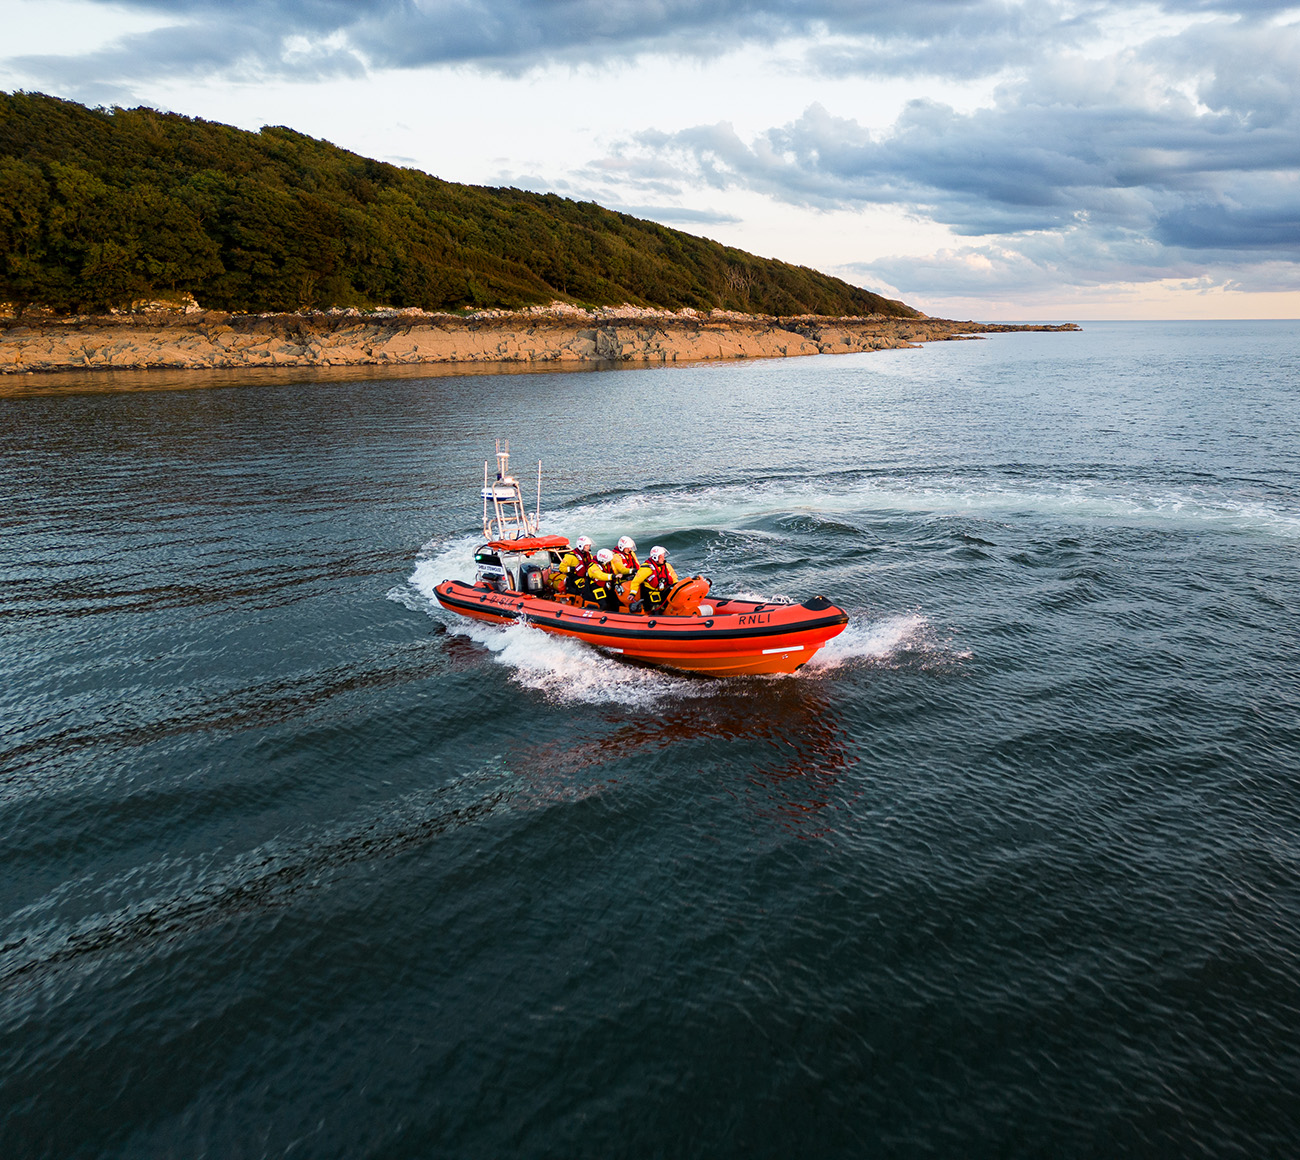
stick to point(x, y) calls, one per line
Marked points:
point(209, 339)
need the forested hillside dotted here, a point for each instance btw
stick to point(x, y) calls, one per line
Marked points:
point(99, 207)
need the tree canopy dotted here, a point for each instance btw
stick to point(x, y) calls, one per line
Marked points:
point(100, 207)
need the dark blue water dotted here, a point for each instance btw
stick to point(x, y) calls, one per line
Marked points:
point(291, 863)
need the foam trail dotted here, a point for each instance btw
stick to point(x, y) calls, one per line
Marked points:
point(761, 597)
point(567, 670)
point(868, 640)
point(438, 560)
point(445, 560)
point(1086, 501)
point(1071, 501)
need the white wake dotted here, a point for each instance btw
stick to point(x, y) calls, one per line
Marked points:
point(1084, 501)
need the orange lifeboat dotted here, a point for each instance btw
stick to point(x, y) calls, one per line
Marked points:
point(721, 638)
point(741, 637)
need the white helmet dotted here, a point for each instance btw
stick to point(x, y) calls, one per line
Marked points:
point(626, 544)
point(583, 544)
point(604, 556)
point(658, 552)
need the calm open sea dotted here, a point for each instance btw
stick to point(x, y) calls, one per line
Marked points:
point(294, 863)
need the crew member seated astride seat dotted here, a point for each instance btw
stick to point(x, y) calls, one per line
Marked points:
point(626, 565)
point(603, 590)
point(652, 583)
point(571, 572)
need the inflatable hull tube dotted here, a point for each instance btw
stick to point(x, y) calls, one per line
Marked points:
point(741, 638)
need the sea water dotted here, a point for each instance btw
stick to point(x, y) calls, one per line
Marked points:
point(292, 862)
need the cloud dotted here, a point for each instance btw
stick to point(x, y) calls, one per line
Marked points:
point(680, 215)
point(1274, 229)
point(253, 44)
point(269, 34)
point(298, 38)
point(321, 38)
point(1147, 163)
point(1071, 263)
point(1028, 267)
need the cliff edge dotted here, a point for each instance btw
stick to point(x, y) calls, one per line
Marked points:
point(211, 339)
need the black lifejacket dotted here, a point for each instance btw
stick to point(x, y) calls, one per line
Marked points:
point(604, 592)
point(599, 589)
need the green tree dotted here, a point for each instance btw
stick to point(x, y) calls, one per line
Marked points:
point(101, 205)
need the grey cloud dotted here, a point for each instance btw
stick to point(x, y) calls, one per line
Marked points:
point(969, 41)
point(1177, 156)
point(1250, 72)
point(1216, 226)
point(1229, 7)
point(1267, 277)
point(951, 273)
point(507, 34)
point(590, 186)
point(935, 37)
point(1041, 265)
point(1033, 264)
point(255, 45)
point(677, 214)
point(1060, 149)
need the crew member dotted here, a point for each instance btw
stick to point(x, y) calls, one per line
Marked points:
point(574, 564)
point(652, 583)
point(601, 580)
point(625, 561)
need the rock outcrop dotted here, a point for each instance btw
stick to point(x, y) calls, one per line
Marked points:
point(209, 339)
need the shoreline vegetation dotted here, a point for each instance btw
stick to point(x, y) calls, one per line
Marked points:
point(115, 224)
point(190, 338)
point(100, 208)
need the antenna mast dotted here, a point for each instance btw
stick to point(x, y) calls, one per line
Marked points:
point(508, 518)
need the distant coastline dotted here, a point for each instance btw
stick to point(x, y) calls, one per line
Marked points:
point(556, 335)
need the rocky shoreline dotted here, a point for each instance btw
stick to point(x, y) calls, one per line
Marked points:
point(206, 339)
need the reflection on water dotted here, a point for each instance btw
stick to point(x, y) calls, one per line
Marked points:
point(782, 732)
point(108, 381)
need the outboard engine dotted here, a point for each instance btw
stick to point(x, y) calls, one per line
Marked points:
point(533, 577)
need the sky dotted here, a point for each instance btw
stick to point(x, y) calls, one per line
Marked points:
point(990, 159)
